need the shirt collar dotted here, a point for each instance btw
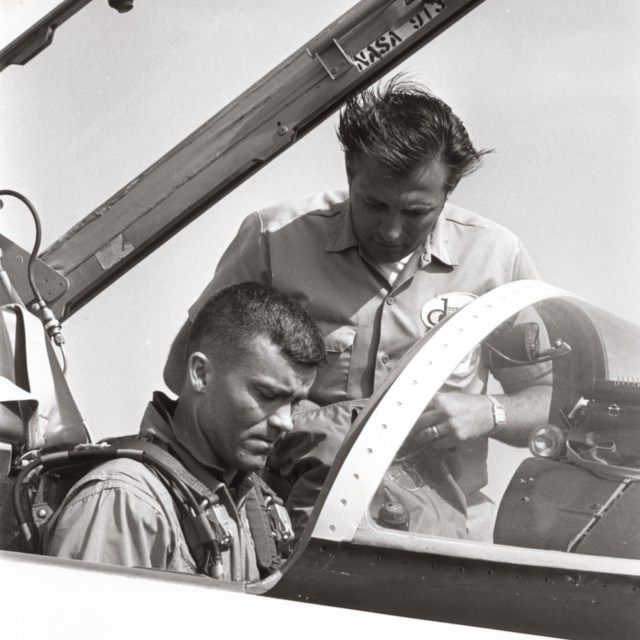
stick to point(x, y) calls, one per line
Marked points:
point(344, 236)
point(158, 423)
point(438, 243)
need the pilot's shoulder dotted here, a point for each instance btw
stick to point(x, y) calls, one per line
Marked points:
point(122, 474)
point(464, 220)
point(318, 205)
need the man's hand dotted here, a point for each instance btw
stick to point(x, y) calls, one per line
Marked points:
point(452, 418)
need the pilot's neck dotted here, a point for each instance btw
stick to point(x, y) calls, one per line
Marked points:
point(196, 447)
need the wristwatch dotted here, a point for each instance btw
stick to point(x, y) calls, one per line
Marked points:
point(499, 415)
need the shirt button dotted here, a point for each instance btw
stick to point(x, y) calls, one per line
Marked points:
point(385, 359)
point(391, 301)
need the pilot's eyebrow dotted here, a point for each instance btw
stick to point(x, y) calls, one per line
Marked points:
point(275, 389)
point(284, 393)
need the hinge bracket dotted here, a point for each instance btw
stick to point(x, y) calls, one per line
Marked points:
point(373, 38)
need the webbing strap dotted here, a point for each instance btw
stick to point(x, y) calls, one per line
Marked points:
point(10, 392)
point(162, 455)
point(41, 393)
point(38, 368)
point(267, 553)
point(604, 470)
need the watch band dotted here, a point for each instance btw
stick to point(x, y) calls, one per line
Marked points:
point(499, 415)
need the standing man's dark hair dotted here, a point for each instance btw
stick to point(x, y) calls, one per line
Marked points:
point(402, 126)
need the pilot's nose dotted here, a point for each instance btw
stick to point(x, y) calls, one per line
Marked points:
point(281, 419)
point(391, 227)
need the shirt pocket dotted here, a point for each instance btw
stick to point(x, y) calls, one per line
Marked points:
point(332, 380)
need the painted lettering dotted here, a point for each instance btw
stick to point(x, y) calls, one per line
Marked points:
point(417, 21)
point(361, 61)
point(435, 315)
point(373, 54)
point(394, 38)
point(382, 45)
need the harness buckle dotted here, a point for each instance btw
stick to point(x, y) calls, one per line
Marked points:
point(280, 522)
point(218, 517)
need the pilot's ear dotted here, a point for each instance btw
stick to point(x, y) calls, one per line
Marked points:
point(199, 371)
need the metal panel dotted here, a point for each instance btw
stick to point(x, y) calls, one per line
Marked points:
point(261, 123)
point(529, 599)
point(39, 35)
point(14, 259)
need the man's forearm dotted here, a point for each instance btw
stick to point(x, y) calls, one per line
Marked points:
point(524, 411)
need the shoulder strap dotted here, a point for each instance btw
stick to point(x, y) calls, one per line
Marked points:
point(270, 528)
point(32, 370)
point(37, 409)
point(161, 454)
point(257, 508)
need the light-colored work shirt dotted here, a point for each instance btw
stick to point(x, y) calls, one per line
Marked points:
point(370, 315)
point(309, 250)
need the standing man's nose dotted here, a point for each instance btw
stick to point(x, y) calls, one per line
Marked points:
point(391, 227)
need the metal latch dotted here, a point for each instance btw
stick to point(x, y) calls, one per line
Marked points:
point(334, 59)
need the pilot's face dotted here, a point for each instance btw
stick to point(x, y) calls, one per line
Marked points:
point(248, 401)
point(392, 217)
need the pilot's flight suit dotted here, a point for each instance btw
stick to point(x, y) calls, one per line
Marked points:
point(122, 513)
point(309, 250)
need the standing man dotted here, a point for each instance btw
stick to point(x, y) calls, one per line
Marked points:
point(253, 355)
point(376, 268)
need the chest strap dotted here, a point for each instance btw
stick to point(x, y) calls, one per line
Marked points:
point(268, 520)
point(162, 455)
point(270, 526)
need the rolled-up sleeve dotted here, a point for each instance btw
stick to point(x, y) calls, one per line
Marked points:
point(523, 267)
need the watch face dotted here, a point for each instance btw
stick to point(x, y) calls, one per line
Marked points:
point(499, 415)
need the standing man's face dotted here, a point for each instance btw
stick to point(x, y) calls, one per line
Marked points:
point(392, 217)
point(247, 403)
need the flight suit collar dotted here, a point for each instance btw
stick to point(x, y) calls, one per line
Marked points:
point(158, 423)
point(438, 244)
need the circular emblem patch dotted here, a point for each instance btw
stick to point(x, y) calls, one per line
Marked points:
point(443, 305)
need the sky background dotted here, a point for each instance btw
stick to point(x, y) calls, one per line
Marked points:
point(552, 86)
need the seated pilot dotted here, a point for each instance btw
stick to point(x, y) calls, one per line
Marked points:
point(253, 354)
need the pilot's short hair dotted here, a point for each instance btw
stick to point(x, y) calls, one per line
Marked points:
point(402, 126)
point(238, 313)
